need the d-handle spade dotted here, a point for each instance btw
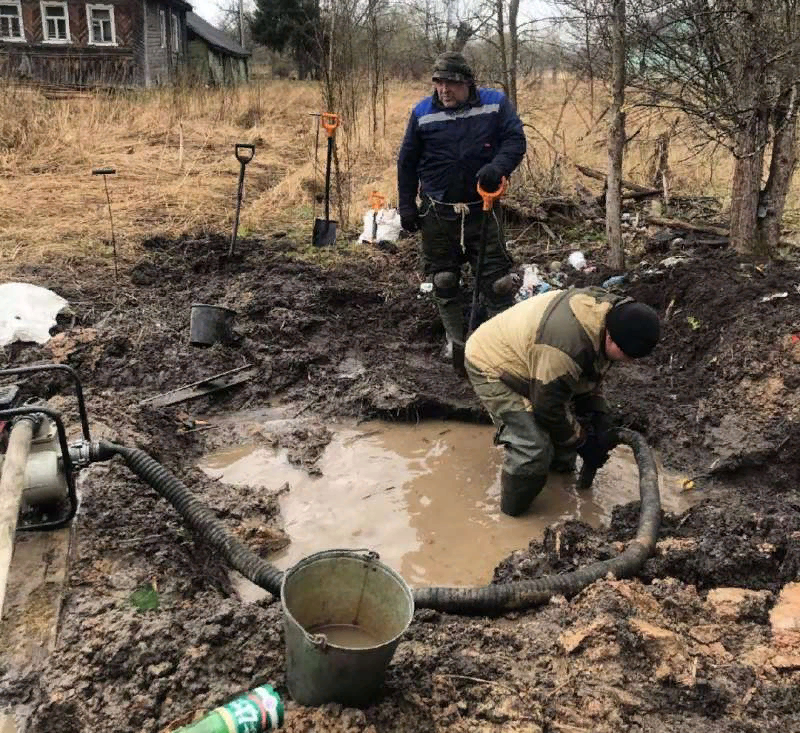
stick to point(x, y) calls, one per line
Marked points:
point(244, 154)
point(489, 197)
point(109, 172)
point(377, 202)
point(324, 233)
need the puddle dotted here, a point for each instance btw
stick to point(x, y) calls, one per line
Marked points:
point(425, 497)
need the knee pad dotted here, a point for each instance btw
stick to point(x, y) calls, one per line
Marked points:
point(505, 285)
point(446, 284)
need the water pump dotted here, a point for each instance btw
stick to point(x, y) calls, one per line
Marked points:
point(49, 497)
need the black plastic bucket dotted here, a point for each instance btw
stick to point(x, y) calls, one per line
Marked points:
point(211, 324)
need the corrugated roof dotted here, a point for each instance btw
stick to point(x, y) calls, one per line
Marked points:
point(214, 37)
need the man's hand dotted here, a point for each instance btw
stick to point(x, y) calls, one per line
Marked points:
point(490, 177)
point(599, 440)
point(410, 222)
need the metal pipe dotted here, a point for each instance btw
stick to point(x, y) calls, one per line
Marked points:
point(12, 481)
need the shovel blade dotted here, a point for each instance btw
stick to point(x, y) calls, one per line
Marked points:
point(324, 232)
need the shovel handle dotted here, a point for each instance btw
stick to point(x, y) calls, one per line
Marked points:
point(489, 197)
point(330, 122)
point(241, 152)
point(103, 171)
point(376, 200)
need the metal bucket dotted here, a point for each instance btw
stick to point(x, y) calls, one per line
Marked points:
point(334, 591)
point(210, 324)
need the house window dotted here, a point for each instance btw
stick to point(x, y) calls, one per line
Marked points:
point(162, 20)
point(100, 19)
point(55, 22)
point(11, 21)
point(176, 39)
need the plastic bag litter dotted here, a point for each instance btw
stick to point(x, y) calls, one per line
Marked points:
point(389, 226)
point(577, 260)
point(27, 312)
point(530, 282)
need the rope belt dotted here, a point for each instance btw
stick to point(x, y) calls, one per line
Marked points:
point(459, 208)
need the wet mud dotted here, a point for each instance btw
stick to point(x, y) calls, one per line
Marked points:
point(706, 638)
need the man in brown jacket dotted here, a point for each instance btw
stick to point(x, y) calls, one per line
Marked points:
point(537, 369)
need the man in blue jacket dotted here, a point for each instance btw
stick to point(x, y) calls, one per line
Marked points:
point(458, 137)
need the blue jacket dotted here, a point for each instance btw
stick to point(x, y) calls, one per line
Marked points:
point(443, 148)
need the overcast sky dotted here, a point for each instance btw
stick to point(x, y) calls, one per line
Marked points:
point(209, 9)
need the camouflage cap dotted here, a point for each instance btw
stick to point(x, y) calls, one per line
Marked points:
point(451, 66)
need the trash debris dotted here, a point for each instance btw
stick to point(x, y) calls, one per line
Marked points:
point(426, 287)
point(27, 312)
point(577, 260)
point(774, 296)
point(530, 282)
point(385, 224)
point(203, 387)
point(615, 280)
point(672, 261)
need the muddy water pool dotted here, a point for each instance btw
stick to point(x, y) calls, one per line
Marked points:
point(424, 496)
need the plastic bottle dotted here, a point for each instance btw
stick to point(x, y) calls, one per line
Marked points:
point(259, 710)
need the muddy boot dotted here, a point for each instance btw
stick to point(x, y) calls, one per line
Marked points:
point(458, 360)
point(564, 462)
point(517, 491)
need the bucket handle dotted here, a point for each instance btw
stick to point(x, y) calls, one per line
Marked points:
point(320, 640)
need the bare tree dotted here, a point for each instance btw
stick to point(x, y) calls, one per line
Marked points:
point(733, 66)
point(616, 137)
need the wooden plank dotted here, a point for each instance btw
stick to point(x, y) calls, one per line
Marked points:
point(34, 596)
point(201, 388)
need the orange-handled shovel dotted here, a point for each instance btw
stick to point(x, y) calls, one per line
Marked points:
point(325, 229)
point(489, 197)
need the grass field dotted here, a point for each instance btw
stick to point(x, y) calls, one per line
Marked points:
point(176, 171)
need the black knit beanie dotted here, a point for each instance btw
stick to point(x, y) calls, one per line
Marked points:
point(452, 66)
point(634, 327)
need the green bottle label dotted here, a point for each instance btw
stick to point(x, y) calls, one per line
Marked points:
point(259, 710)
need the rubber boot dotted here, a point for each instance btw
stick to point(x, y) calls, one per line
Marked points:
point(517, 491)
point(452, 315)
point(564, 462)
point(458, 359)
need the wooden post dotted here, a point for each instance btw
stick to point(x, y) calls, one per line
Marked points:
point(11, 484)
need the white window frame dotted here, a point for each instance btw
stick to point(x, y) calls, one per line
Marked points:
point(110, 8)
point(176, 38)
point(54, 4)
point(162, 20)
point(21, 37)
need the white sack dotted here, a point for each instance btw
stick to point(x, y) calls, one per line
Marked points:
point(27, 312)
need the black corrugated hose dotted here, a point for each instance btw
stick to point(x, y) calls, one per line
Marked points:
point(484, 600)
point(526, 593)
point(198, 516)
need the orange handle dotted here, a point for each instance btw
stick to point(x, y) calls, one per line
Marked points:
point(489, 197)
point(376, 200)
point(330, 122)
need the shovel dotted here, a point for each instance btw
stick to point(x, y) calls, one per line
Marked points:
point(244, 154)
point(325, 229)
point(376, 201)
point(489, 197)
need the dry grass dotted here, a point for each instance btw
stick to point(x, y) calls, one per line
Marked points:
point(176, 172)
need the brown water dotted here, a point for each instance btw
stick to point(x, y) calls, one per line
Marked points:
point(346, 635)
point(424, 496)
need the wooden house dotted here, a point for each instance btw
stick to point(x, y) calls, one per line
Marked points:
point(110, 43)
point(213, 58)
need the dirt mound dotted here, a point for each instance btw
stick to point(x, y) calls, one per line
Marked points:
point(688, 645)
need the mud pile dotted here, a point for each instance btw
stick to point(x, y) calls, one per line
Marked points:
point(700, 641)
